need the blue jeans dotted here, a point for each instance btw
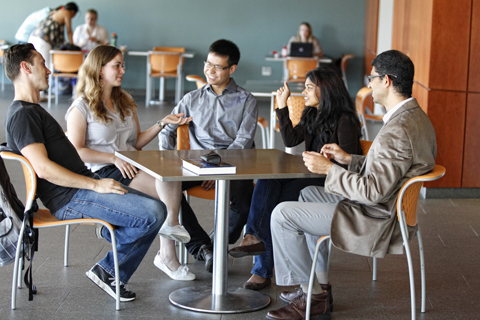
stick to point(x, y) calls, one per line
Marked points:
point(266, 195)
point(136, 217)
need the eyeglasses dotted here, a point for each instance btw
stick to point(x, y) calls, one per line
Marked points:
point(370, 78)
point(217, 67)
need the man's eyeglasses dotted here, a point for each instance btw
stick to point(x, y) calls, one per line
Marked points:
point(208, 65)
point(370, 78)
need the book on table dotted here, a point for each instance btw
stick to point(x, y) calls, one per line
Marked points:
point(200, 167)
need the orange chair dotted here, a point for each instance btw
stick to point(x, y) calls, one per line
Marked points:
point(343, 67)
point(407, 216)
point(297, 69)
point(63, 64)
point(362, 100)
point(43, 219)
point(162, 63)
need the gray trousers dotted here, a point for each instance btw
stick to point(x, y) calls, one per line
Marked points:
point(296, 227)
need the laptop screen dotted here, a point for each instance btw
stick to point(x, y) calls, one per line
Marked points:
point(301, 49)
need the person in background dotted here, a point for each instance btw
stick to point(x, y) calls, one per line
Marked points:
point(89, 35)
point(23, 33)
point(50, 32)
point(65, 186)
point(103, 119)
point(305, 35)
point(329, 117)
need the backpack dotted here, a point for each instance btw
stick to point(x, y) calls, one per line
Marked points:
point(11, 218)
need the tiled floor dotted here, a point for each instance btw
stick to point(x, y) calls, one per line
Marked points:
point(450, 228)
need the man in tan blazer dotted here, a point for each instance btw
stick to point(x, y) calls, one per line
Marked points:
point(357, 207)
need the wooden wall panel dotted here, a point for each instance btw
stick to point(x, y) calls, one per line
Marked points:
point(450, 44)
point(446, 110)
point(421, 94)
point(371, 30)
point(474, 67)
point(417, 44)
point(471, 157)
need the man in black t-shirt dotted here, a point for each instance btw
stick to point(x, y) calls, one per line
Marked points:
point(65, 186)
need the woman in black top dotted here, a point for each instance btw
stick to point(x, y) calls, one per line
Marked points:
point(329, 117)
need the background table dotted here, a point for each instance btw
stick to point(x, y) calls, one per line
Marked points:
point(251, 164)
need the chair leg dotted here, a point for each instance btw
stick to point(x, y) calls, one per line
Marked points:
point(67, 243)
point(117, 270)
point(410, 268)
point(56, 90)
point(374, 277)
point(181, 247)
point(312, 274)
point(422, 270)
point(16, 266)
point(162, 89)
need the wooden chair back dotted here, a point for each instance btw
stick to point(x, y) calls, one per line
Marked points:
point(298, 69)
point(166, 63)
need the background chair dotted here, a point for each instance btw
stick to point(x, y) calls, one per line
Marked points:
point(362, 101)
point(343, 67)
point(297, 69)
point(262, 124)
point(162, 63)
point(295, 105)
point(43, 219)
point(63, 64)
point(407, 216)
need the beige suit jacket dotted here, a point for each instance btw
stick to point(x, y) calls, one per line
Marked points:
point(366, 222)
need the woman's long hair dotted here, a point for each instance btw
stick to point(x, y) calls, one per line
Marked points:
point(310, 35)
point(90, 85)
point(335, 102)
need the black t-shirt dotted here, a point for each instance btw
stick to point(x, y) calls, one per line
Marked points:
point(28, 123)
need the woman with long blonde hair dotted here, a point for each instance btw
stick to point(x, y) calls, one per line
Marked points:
point(103, 119)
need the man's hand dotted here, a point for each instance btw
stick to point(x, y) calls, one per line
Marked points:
point(108, 186)
point(125, 168)
point(333, 151)
point(316, 162)
point(208, 185)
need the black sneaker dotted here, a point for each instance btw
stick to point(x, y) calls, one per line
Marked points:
point(107, 283)
point(205, 253)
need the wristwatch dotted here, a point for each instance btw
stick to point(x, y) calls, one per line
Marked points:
point(161, 124)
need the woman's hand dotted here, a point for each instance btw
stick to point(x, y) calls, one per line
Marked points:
point(208, 185)
point(125, 168)
point(282, 95)
point(177, 119)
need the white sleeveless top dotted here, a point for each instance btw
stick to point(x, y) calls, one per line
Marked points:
point(116, 135)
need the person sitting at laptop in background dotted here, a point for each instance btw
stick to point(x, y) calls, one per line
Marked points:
point(224, 116)
point(305, 35)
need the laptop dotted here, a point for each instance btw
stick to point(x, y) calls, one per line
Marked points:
point(301, 49)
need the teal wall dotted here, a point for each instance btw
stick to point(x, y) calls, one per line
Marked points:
point(256, 26)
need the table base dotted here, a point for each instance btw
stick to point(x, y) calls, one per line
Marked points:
point(201, 299)
point(159, 102)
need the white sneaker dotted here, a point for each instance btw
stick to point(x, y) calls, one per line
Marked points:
point(181, 274)
point(177, 233)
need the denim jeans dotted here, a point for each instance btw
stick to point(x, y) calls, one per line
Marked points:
point(266, 195)
point(136, 217)
point(240, 197)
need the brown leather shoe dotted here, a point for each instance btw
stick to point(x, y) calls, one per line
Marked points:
point(288, 296)
point(296, 309)
point(257, 286)
point(251, 250)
